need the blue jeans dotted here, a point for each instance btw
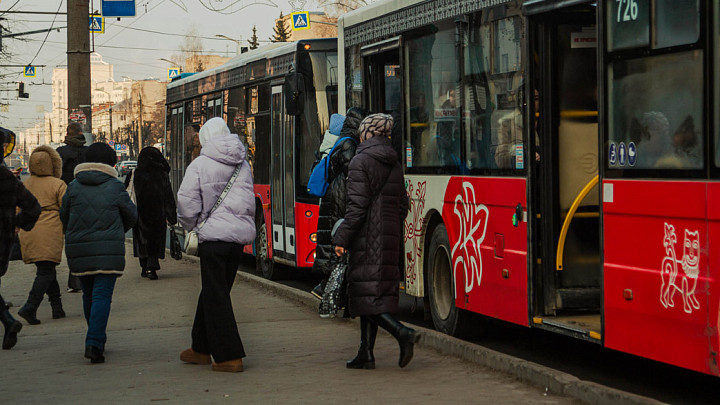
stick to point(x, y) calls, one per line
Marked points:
point(97, 296)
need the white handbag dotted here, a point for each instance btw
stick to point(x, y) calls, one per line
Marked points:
point(131, 188)
point(192, 242)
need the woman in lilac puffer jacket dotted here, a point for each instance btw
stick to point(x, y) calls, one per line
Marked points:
point(222, 237)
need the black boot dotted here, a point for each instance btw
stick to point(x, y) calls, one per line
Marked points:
point(152, 275)
point(144, 273)
point(12, 327)
point(58, 312)
point(365, 358)
point(56, 302)
point(29, 313)
point(95, 354)
point(405, 336)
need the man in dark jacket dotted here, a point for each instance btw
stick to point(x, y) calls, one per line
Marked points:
point(12, 195)
point(96, 212)
point(332, 205)
point(373, 233)
point(72, 154)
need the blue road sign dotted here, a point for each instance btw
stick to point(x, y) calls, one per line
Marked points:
point(300, 20)
point(29, 71)
point(173, 73)
point(632, 153)
point(118, 8)
point(97, 24)
point(622, 154)
point(612, 153)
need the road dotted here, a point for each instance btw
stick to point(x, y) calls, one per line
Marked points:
point(585, 360)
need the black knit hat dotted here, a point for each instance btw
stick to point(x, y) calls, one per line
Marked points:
point(101, 153)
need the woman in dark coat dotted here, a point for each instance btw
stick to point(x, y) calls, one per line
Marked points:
point(372, 231)
point(156, 209)
point(332, 206)
point(13, 195)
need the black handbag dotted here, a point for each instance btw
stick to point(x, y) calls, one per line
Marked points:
point(175, 248)
point(15, 252)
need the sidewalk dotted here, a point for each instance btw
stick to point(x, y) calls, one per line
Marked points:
point(294, 357)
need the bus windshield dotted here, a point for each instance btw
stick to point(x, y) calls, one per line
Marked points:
point(321, 102)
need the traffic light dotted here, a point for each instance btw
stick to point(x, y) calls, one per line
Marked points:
point(21, 91)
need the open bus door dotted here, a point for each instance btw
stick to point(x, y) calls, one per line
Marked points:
point(382, 74)
point(567, 269)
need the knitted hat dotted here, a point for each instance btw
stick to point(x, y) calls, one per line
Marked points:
point(375, 125)
point(101, 153)
point(336, 123)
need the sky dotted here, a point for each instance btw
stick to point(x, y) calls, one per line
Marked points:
point(133, 45)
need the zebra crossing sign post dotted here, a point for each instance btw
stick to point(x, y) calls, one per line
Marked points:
point(300, 20)
point(173, 73)
point(97, 24)
point(29, 71)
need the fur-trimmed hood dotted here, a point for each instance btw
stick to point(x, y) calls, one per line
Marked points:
point(94, 173)
point(45, 161)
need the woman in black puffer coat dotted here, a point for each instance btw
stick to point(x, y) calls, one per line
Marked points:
point(373, 233)
point(156, 209)
point(332, 206)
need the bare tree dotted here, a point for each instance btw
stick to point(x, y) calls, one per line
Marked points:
point(191, 50)
point(253, 41)
point(335, 8)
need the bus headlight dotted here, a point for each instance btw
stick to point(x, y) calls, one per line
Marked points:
point(313, 237)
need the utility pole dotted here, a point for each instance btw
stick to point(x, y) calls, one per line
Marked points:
point(111, 134)
point(78, 58)
point(140, 136)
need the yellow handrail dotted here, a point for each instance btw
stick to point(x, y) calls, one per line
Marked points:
point(566, 224)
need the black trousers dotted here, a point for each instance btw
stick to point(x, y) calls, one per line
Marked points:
point(45, 283)
point(215, 329)
point(149, 263)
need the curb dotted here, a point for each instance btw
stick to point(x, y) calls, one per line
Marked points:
point(552, 380)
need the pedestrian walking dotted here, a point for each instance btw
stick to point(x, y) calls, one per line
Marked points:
point(332, 205)
point(44, 243)
point(372, 233)
point(72, 154)
point(13, 195)
point(96, 212)
point(216, 200)
point(156, 209)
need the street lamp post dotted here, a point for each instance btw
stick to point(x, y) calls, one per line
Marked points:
point(171, 62)
point(238, 42)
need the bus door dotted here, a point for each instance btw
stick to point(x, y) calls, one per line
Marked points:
point(382, 75)
point(282, 180)
point(563, 79)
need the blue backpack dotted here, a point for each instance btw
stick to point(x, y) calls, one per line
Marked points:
point(318, 183)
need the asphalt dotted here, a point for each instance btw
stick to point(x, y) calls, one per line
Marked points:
point(293, 356)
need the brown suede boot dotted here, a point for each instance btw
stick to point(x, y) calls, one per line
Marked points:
point(191, 356)
point(230, 366)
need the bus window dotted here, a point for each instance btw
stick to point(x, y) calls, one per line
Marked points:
point(656, 127)
point(192, 143)
point(434, 138)
point(236, 111)
point(354, 82)
point(677, 22)
point(628, 24)
point(492, 112)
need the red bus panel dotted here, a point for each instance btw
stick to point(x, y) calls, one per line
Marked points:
point(656, 271)
point(306, 220)
point(488, 249)
point(713, 286)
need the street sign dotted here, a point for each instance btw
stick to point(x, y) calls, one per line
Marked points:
point(300, 20)
point(173, 73)
point(97, 24)
point(111, 144)
point(118, 8)
point(29, 71)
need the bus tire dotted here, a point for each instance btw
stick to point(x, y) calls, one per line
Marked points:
point(264, 265)
point(446, 317)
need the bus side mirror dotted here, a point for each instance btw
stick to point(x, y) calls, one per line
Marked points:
point(293, 91)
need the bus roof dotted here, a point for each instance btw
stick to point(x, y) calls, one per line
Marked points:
point(267, 51)
point(374, 10)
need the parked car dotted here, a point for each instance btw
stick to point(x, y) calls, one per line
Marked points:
point(125, 167)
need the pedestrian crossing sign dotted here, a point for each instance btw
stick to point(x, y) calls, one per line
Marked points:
point(97, 24)
point(300, 20)
point(173, 73)
point(29, 71)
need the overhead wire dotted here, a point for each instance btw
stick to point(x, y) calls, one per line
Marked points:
point(46, 34)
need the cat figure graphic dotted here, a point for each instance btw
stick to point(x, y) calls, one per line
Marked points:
point(672, 280)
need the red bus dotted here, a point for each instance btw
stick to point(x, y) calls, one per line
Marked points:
point(562, 160)
point(278, 99)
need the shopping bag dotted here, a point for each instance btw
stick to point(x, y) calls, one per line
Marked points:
point(332, 300)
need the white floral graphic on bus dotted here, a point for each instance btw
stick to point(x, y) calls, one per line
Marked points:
point(413, 228)
point(672, 280)
point(473, 220)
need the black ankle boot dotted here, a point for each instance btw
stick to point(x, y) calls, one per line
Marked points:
point(144, 273)
point(152, 275)
point(12, 327)
point(95, 354)
point(365, 358)
point(57, 313)
point(29, 314)
point(405, 336)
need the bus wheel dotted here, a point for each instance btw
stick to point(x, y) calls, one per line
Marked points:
point(264, 265)
point(441, 287)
